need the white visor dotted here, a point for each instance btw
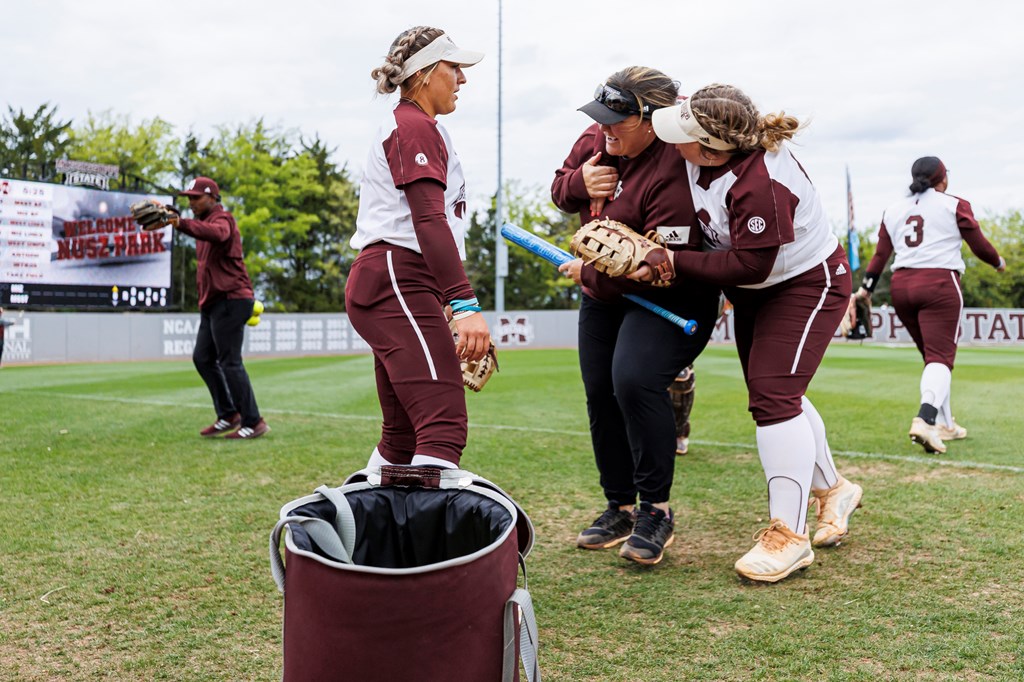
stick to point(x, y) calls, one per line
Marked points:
point(677, 125)
point(441, 49)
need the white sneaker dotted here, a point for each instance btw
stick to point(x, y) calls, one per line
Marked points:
point(926, 435)
point(952, 432)
point(682, 446)
point(778, 552)
point(835, 506)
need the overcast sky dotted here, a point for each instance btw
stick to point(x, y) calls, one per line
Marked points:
point(880, 82)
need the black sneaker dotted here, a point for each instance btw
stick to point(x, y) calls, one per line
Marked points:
point(652, 533)
point(610, 528)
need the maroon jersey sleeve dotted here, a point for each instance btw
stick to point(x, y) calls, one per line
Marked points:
point(882, 252)
point(415, 149)
point(972, 234)
point(216, 229)
point(729, 268)
point(426, 202)
point(760, 209)
point(568, 192)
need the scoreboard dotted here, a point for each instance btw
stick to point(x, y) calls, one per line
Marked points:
point(75, 247)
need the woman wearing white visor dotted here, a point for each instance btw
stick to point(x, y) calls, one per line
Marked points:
point(770, 246)
point(411, 231)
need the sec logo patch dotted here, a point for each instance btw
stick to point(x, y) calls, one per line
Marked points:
point(421, 159)
point(756, 225)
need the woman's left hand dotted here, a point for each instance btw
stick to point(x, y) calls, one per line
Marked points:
point(474, 337)
point(573, 270)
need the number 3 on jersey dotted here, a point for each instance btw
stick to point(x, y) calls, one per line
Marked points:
point(917, 224)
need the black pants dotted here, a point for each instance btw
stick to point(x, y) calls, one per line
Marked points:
point(628, 357)
point(218, 357)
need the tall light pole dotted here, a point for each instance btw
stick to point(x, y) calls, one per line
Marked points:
point(500, 247)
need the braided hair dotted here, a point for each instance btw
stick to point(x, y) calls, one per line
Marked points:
point(727, 113)
point(389, 74)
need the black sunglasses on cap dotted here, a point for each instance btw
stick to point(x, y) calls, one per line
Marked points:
point(620, 101)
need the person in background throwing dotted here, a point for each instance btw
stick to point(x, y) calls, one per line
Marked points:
point(410, 232)
point(925, 230)
point(225, 304)
point(770, 244)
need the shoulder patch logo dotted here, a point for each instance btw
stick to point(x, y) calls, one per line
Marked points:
point(841, 270)
point(756, 225)
point(421, 159)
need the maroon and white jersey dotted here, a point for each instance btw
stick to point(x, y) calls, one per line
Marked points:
point(761, 200)
point(925, 230)
point(410, 146)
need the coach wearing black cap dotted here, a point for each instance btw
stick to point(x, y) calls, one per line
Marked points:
point(225, 304)
point(619, 169)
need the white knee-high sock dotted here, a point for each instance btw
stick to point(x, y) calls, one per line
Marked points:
point(946, 412)
point(427, 460)
point(935, 382)
point(825, 474)
point(376, 460)
point(787, 457)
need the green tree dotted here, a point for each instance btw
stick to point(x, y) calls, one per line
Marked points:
point(983, 286)
point(532, 282)
point(270, 189)
point(31, 144)
point(144, 153)
point(316, 263)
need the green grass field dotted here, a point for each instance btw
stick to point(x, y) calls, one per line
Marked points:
point(132, 549)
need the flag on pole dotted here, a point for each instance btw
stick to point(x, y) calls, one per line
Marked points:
point(852, 240)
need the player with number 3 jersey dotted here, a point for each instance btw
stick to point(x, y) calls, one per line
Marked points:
point(925, 230)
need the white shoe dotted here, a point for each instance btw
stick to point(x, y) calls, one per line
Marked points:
point(835, 506)
point(926, 435)
point(778, 552)
point(682, 446)
point(951, 432)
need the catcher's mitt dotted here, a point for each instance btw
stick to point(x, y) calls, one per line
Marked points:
point(475, 373)
point(616, 250)
point(152, 216)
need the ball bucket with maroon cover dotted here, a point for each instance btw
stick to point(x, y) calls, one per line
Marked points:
point(405, 573)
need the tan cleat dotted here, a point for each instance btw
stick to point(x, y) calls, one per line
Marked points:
point(953, 432)
point(926, 435)
point(835, 506)
point(778, 552)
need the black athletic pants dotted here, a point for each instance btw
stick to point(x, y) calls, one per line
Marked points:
point(628, 358)
point(218, 358)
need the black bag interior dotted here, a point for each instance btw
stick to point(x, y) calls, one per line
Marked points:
point(399, 527)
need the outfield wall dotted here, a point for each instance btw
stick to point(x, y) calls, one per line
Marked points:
point(92, 337)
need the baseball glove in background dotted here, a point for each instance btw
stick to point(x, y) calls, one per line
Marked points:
point(152, 216)
point(861, 328)
point(616, 250)
point(476, 373)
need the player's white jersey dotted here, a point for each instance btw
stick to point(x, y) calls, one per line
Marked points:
point(761, 200)
point(925, 230)
point(410, 146)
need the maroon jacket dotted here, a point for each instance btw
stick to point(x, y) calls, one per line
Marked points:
point(654, 192)
point(220, 265)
